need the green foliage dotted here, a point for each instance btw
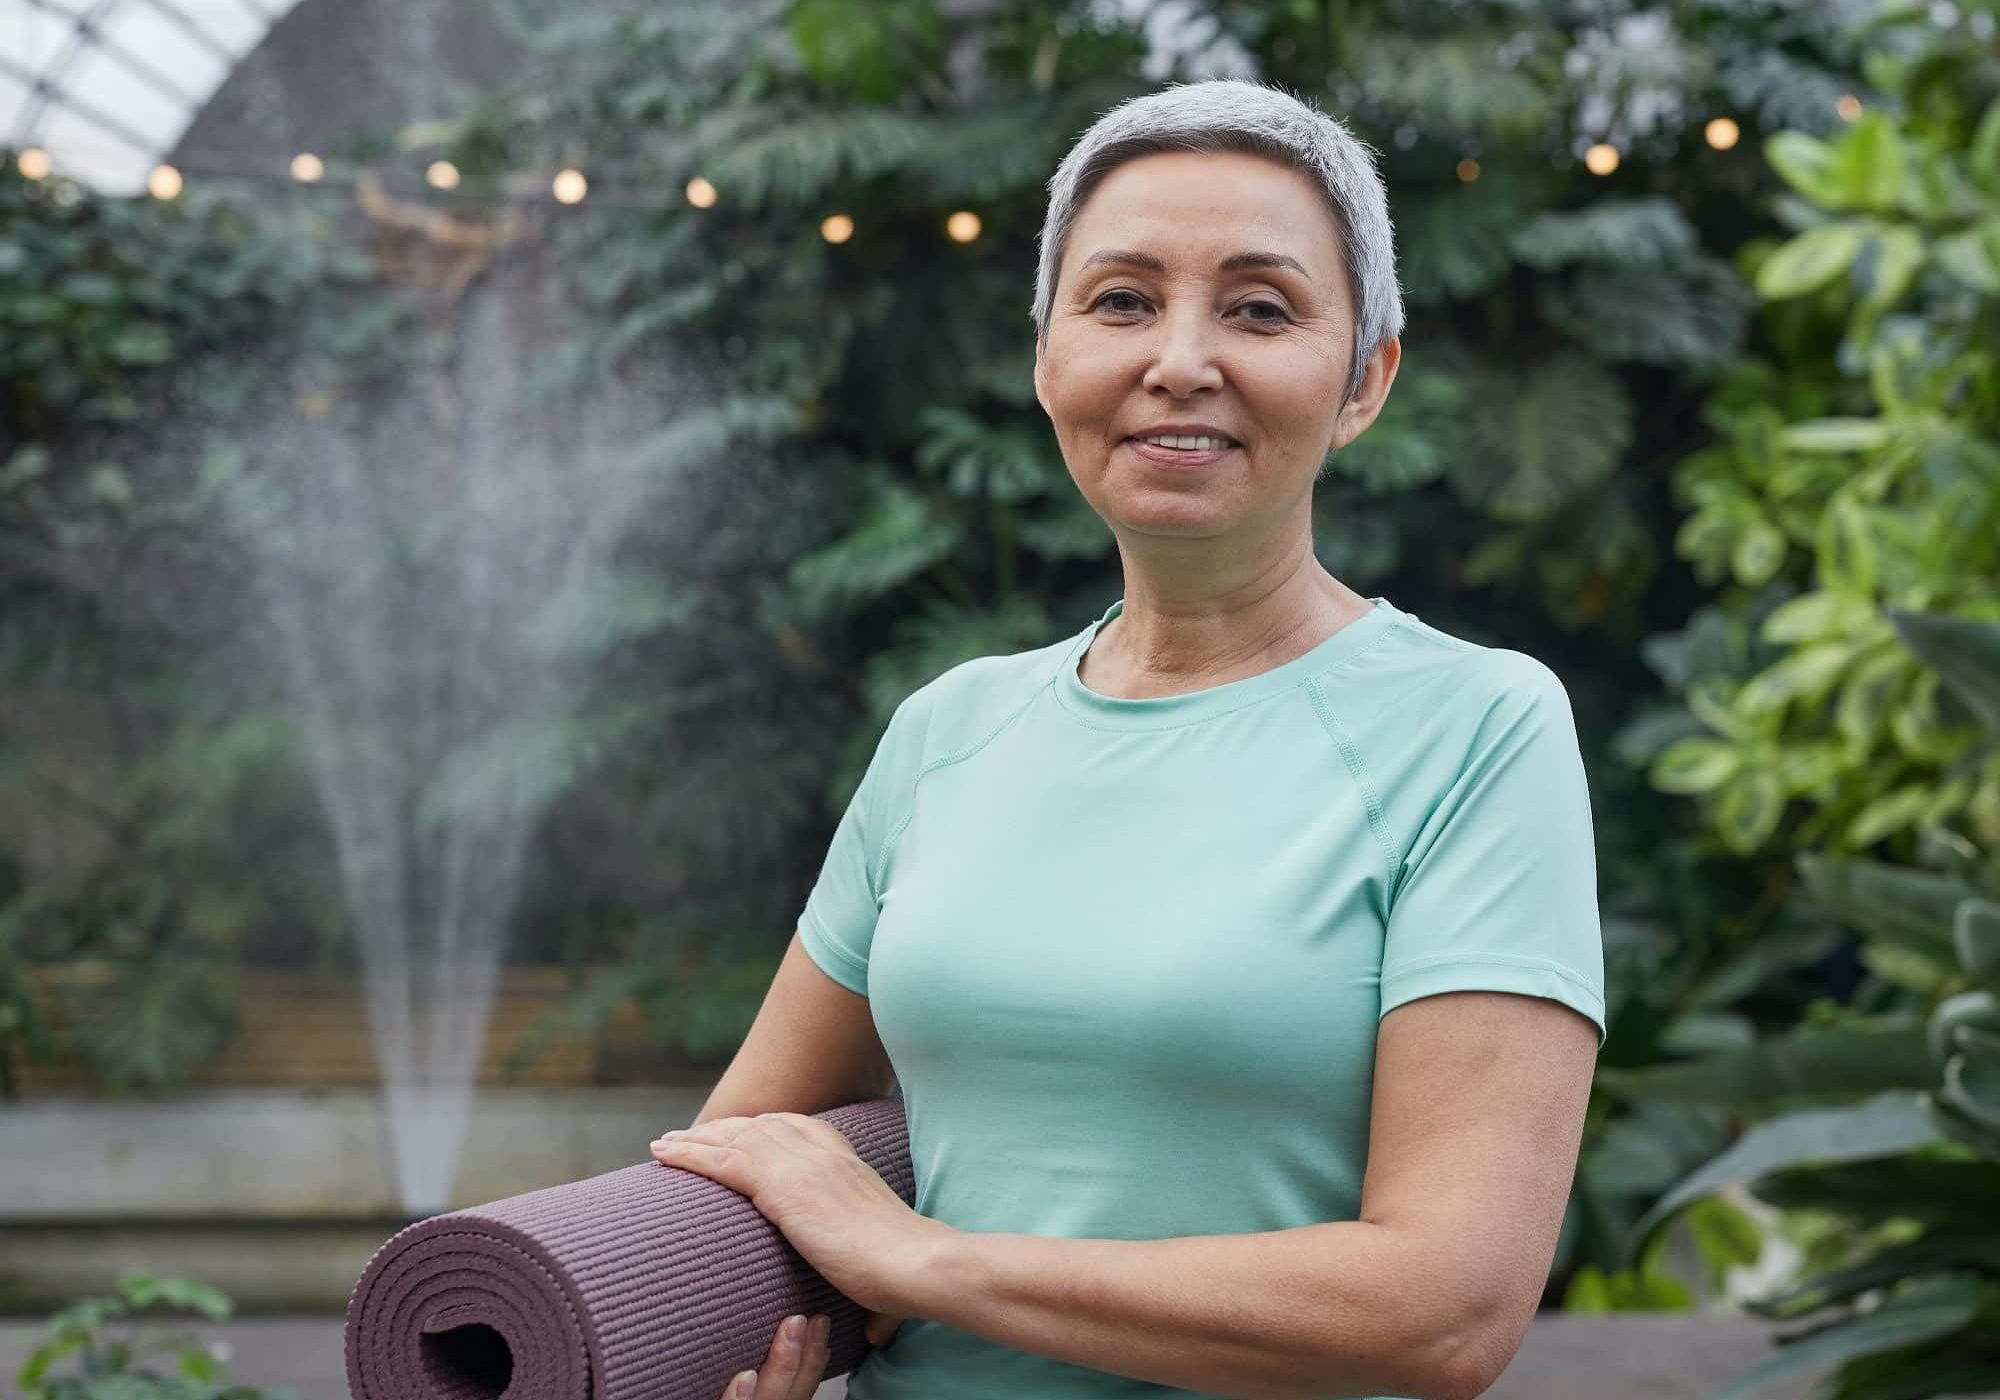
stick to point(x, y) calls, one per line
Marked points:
point(110, 1357)
point(1841, 493)
point(1923, 1158)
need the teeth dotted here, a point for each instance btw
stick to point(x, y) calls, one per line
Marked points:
point(1199, 444)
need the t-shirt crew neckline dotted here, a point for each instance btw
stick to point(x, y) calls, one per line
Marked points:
point(1166, 711)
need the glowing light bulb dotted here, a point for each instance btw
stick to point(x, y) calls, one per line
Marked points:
point(570, 186)
point(164, 182)
point(836, 228)
point(1601, 159)
point(963, 226)
point(1848, 106)
point(443, 174)
point(1468, 170)
point(35, 163)
point(307, 168)
point(700, 193)
point(1722, 133)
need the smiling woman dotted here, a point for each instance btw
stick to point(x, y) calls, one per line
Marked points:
point(1238, 956)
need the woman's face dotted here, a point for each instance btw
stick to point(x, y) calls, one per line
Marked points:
point(1261, 352)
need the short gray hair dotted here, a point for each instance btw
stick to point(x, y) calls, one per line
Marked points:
point(1230, 114)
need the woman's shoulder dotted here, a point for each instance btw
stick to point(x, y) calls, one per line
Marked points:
point(1419, 656)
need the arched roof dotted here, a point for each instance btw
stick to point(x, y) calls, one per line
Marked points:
point(108, 87)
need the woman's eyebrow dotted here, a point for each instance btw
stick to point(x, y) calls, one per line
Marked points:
point(1235, 262)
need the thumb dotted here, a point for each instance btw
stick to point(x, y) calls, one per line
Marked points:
point(879, 1328)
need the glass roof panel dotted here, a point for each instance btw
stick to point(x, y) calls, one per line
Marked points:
point(108, 87)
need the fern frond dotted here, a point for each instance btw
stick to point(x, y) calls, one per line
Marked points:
point(1539, 438)
point(1453, 243)
point(900, 536)
point(1645, 232)
point(1694, 315)
point(808, 153)
point(1452, 81)
point(943, 636)
point(1407, 445)
point(979, 460)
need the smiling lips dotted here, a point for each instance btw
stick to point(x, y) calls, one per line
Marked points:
point(1178, 456)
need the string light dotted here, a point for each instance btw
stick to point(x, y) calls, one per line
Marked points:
point(35, 163)
point(307, 168)
point(1848, 105)
point(700, 193)
point(836, 228)
point(164, 182)
point(1601, 159)
point(569, 186)
point(1468, 170)
point(442, 174)
point(1722, 133)
point(962, 226)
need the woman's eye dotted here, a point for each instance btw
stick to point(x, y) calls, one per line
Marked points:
point(1277, 311)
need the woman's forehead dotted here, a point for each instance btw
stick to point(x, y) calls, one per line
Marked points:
point(1207, 211)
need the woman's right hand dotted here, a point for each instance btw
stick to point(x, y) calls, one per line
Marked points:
point(792, 1369)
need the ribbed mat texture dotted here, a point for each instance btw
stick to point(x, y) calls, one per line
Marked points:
point(647, 1283)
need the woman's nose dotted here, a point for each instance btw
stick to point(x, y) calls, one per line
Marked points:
point(1184, 353)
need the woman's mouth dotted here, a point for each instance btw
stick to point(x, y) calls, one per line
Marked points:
point(1178, 456)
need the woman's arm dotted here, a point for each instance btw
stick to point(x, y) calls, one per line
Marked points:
point(812, 1047)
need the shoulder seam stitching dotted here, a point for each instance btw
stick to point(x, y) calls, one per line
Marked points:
point(1351, 756)
point(889, 841)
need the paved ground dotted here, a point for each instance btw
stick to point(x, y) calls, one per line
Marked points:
point(1631, 1356)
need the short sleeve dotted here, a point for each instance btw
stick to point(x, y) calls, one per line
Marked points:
point(1498, 890)
point(838, 922)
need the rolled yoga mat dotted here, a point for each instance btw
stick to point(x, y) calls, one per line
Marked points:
point(647, 1283)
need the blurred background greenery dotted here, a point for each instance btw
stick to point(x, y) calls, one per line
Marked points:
point(1700, 404)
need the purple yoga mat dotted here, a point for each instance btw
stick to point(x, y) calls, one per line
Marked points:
point(647, 1283)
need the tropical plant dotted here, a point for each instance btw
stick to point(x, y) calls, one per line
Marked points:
point(1842, 490)
point(1889, 1124)
point(102, 1339)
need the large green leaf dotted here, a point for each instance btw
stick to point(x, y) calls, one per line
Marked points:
point(1927, 1254)
point(1909, 908)
point(1932, 1308)
point(1809, 261)
point(1693, 765)
point(1949, 1194)
point(1975, 933)
point(1806, 164)
point(1888, 1123)
point(1965, 652)
point(1870, 161)
point(1812, 1063)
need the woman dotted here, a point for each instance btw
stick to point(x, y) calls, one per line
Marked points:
point(1238, 957)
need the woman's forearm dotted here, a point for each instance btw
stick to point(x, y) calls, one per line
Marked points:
point(1317, 1311)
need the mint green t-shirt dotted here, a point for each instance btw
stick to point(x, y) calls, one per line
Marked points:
point(1127, 956)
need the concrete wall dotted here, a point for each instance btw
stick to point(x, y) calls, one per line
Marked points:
point(278, 1197)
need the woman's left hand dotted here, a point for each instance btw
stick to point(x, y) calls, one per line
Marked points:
point(804, 1177)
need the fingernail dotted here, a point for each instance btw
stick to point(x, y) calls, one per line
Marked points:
point(794, 1328)
point(746, 1383)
